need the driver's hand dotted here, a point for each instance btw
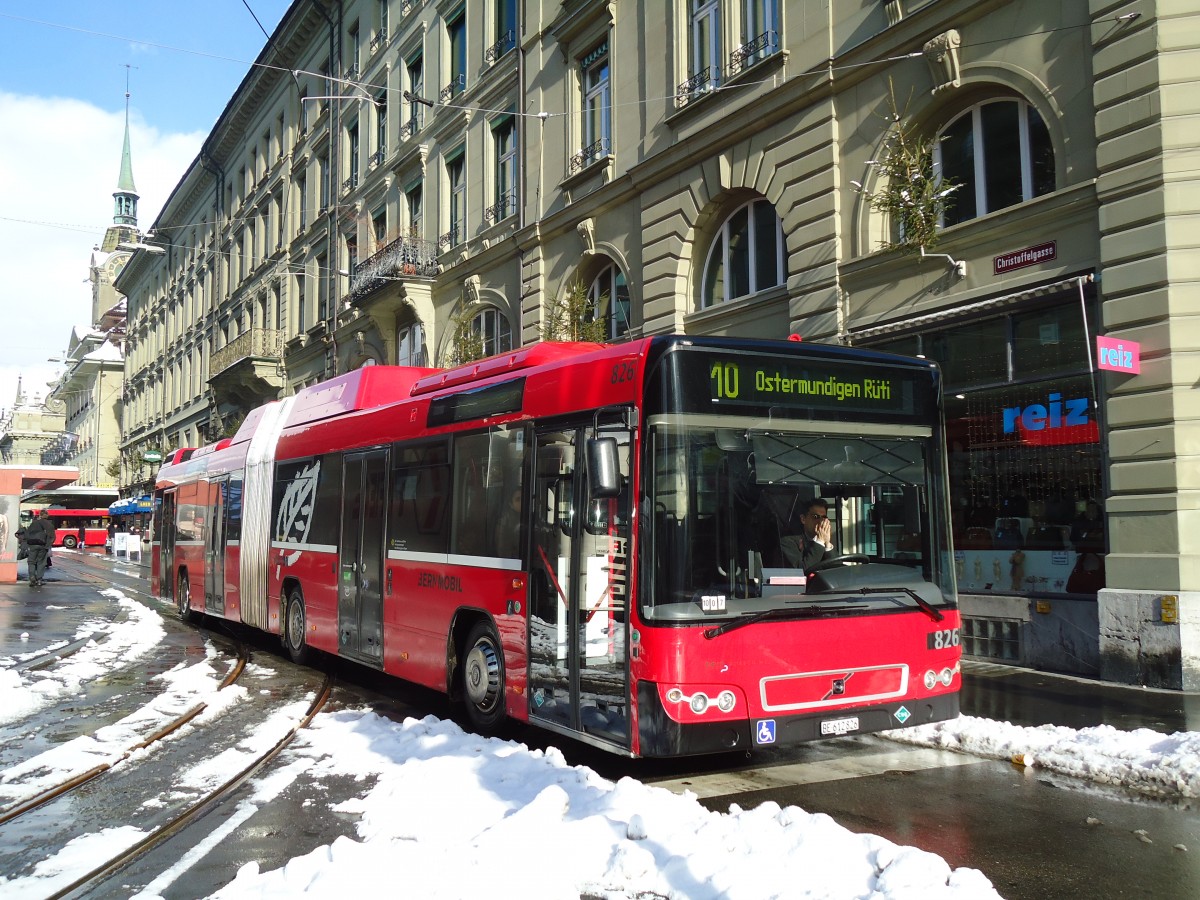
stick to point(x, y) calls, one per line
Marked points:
point(825, 532)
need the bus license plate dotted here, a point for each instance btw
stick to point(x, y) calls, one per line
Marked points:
point(840, 726)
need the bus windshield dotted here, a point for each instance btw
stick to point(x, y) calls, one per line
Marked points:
point(728, 492)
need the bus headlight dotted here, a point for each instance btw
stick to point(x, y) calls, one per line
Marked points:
point(947, 677)
point(931, 680)
point(675, 695)
point(726, 701)
point(699, 702)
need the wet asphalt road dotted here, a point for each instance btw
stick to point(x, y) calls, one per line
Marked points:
point(1034, 835)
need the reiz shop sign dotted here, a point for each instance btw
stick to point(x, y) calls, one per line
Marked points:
point(1057, 422)
point(1118, 356)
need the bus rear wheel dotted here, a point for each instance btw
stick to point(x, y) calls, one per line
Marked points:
point(294, 629)
point(70, 542)
point(183, 598)
point(483, 678)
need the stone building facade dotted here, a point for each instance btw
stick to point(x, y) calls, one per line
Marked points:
point(390, 169)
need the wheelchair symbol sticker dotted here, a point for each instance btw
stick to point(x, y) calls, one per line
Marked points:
point(765, 733)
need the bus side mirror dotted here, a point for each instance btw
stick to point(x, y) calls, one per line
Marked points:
point(603, 469)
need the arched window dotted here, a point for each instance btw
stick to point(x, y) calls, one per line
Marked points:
point(609, 296)
point(746, 257)
point(491, 326)
point(999, 154)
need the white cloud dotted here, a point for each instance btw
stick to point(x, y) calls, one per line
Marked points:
point(59, 165)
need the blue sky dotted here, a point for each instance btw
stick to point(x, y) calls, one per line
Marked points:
point(62, 101)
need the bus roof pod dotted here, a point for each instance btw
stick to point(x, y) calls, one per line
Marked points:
point(364, 388)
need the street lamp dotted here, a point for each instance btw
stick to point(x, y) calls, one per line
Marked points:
point(152, 249)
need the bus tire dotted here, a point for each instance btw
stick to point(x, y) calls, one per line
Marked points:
point(183, 597)
point(70, 542)
point(295, 625)
point(483, 678)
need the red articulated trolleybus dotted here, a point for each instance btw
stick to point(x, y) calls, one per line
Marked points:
point(587, 538)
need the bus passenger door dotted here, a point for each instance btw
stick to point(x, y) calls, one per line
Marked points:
point(577, 626)
point(360, 572)
point(166, 523)
point(214, 548)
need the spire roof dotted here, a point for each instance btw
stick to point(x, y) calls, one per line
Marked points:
point(125, 182)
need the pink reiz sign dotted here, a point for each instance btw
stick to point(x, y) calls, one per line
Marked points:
point(1113, 355)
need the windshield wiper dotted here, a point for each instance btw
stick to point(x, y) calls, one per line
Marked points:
point(925, 605)
point(812, 609)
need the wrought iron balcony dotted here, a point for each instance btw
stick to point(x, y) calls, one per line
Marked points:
point(350, 183)
point(59, 451)
point(453, 89)
point(503, 208)
point(403, 257)
point(379, 42)
point(351, 72)
point(766, 44)
point(376, 158)
point(409, 129)
point(588, 155)
point(257, 343)
point(507, 41)
point(704, 81)
point(407, 6)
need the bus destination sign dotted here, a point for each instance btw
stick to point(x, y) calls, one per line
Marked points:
point(774, 381)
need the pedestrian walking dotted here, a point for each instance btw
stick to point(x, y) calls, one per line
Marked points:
point(39, 538)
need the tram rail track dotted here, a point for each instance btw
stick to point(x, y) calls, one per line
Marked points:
point(76, 781)
point(194, 811)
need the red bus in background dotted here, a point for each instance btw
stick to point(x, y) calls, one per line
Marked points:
point(587, 538)
point(68, 522)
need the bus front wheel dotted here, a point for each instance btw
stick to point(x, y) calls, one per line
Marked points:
point(70, 542)
point(483, 678)
point(294, 629)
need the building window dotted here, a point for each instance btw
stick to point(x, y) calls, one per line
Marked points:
point(492, 328)
point(746, 257)
point(379, 228)
point(456, 35)
point(760, 34)
point(352, 153)
point(301, 305)
point(999, 154)
point(383, 19)
point(597, 106)
point(323, 177)
point(302, 201)
point(456, 178)
point(352, 62)
point(323, 309)
point(413, 199)
point(416, 92)
point(381, 114)
point(506, 30)
point(705, 44)
point(410, 345)
point(609, 296)
point(504, 138)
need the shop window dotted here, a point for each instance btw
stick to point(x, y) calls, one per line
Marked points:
point(999, 154)
point(1047, 341)
point(974, 354)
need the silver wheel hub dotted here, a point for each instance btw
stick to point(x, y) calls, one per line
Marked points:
point(482, 675)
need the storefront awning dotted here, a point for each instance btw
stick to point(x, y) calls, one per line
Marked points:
point(129, 506)
point(954, 312)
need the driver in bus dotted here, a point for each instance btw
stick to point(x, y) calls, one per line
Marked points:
point(805, 551)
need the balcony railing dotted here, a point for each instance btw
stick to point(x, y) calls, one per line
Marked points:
point(766, 44)
point(350, 184)
point(450, 238)
point(407, 6)
point(405, 256)
point(379, 42)
point(61, 449)
point(453, 89)
point(264, 343)
point(351, 73)
point(704, 81)
point(376, 158)
point(409, 129)
point(507, 41)
point(588, 155)
point(503, 208)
